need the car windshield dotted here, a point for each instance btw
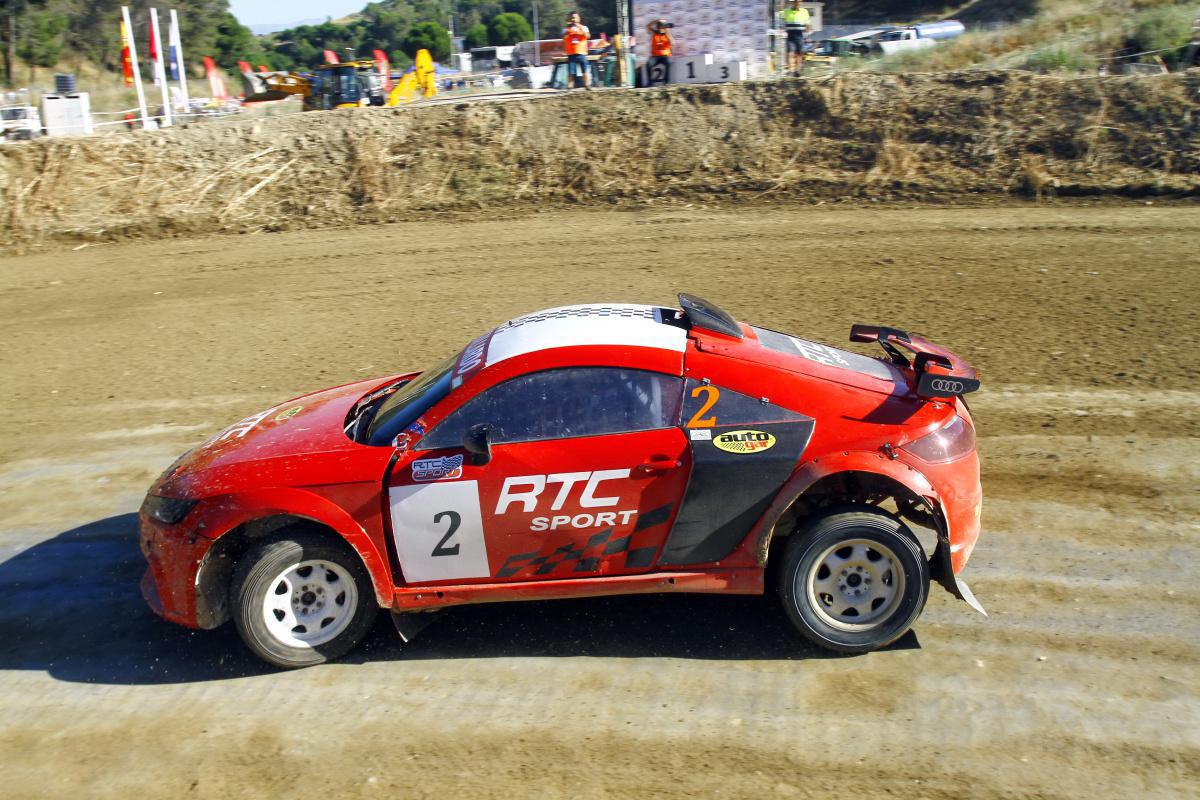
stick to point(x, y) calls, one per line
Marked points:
point(410, 401)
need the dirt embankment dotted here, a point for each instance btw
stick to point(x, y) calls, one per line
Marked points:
point(884, 137)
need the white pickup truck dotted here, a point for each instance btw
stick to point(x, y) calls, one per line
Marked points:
point(917, 37)
point(20, 122)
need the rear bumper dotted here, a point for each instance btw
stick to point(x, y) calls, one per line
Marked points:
point(960, 496)
point(173, 554)
point(958, 524)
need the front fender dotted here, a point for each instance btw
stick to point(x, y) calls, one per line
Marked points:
point(230, 511)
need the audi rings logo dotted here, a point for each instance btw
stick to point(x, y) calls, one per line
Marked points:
point(943, 385)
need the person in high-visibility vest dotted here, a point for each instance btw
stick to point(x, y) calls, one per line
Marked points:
point(795, 22)
point(575, 45)
point(662, 46)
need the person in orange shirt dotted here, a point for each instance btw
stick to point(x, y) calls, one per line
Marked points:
point(661, 48)
point(575, 45)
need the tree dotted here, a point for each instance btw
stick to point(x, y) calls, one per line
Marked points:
point(477, 36)
point(43, 42)
point(236, 43)
point(428, 36)
point(508, 28)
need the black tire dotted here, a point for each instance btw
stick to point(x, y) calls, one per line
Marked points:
point(892, 586)
point(262, 575)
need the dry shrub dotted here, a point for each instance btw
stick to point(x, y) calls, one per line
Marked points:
point(1032, 178)
point(895, 162)
point(959, 134)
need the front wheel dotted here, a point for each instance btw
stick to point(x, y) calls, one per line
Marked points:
point(300, 600)
point(854, 581)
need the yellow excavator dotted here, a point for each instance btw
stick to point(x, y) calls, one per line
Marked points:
point(348, 84)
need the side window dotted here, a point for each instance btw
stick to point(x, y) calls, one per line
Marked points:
point(565, 403)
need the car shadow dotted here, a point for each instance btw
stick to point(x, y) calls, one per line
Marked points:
point(72, 607)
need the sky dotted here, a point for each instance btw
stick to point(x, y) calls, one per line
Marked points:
point(261, 12)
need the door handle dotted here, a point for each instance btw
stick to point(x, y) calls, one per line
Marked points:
point(658, 464)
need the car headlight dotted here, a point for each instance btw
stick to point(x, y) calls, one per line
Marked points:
point(168, 510)
point(945, 444)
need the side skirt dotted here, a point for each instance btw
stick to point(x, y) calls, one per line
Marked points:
point(726, 581)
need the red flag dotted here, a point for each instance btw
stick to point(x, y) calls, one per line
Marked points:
point(153, 53)
point(126, 60)
point(215, 83)
point(385, 69)
point(331, 57)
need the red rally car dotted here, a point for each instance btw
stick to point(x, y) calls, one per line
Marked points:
point(575, 452)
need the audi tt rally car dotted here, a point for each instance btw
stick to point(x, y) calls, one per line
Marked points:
point(575, 452)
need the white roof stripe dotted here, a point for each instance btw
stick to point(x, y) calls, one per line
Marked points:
point(595, 324)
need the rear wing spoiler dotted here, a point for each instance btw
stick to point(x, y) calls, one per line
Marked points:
point(940, 373)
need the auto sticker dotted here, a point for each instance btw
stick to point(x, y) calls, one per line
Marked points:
point(445, 468)
point(744, 442)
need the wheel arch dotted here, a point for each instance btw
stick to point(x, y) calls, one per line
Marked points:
point(848, 479)
point(243, 520)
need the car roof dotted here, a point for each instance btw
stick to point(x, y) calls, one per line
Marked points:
point(594, 324)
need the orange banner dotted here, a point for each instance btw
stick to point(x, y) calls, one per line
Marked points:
point(126, 60)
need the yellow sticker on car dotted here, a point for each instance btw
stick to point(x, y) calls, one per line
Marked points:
point(744, 441)
point(284, 416)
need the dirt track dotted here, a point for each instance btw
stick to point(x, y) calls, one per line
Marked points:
point(1083, 320)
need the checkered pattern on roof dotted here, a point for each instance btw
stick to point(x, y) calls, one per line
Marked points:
point(581, 311)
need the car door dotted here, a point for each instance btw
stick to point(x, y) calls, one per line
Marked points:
point(587, 469)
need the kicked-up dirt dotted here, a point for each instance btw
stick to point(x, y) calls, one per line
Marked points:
point(1084, 678)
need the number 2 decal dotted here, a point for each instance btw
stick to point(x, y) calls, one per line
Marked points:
point(435, 519)
point(455, 520)
point(698, 419)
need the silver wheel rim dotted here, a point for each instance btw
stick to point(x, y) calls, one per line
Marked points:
point(310, 603)
point(854, 584)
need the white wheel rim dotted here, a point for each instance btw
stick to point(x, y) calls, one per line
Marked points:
point(310, 603)
point(854, 584)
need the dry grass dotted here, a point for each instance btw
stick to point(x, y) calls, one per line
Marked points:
point(854, 136)
point(1064, 35)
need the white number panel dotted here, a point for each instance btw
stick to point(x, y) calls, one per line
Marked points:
point(439, 531)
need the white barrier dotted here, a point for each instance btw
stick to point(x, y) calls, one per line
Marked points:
point(705, 68)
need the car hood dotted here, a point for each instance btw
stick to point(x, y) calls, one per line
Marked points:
point(309, 425)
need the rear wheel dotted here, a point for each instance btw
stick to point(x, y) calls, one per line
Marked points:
point(854, 581)
point(300, 600)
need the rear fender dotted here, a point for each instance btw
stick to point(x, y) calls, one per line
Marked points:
point(233, 510)
point(876, 463)
point(879, 464)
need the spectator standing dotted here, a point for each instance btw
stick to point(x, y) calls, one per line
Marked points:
point(662, 46)
point(795, 23)
point(575, 45)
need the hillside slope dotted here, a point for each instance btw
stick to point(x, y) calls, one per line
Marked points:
point(855, 136)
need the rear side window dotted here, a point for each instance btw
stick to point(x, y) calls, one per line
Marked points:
point(566, 403)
